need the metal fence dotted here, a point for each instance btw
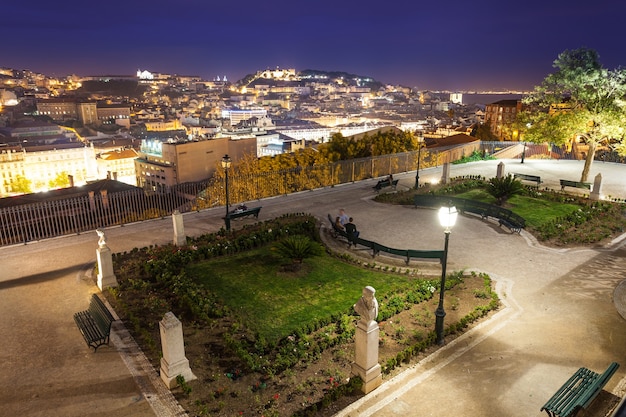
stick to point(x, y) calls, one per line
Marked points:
point(37, 221)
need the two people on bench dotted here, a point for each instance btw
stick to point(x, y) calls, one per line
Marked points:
point(382, 183)
point(240, 208)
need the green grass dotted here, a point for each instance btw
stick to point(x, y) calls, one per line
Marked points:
point(535, 211)
point(274, 303)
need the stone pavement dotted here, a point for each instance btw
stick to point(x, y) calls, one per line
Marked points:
point(559, 311)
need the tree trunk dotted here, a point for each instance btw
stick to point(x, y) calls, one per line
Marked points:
point(589, 160)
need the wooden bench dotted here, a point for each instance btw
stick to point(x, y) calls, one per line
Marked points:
point(526, 177)
point(575, 184)
point(578, 392)
point(244, 213)
point(385, 183)
point(95, 323)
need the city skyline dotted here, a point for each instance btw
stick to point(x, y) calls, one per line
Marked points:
point(440, 46)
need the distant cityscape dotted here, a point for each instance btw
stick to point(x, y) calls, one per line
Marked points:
point(155, 130)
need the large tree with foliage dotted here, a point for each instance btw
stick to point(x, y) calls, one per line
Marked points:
point(580, 99)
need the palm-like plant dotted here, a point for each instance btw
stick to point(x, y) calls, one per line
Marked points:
point(297, 248)
point(503, 188)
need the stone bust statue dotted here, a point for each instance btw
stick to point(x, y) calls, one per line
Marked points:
point(367, 306)
point(102, 243)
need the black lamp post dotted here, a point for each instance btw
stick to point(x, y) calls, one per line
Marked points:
point(447, 218)
point(528, 126)
point(419, 159)
point(226, 161)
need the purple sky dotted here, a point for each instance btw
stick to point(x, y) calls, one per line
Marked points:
point(453, 44)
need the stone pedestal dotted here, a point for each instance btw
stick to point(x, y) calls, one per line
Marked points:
point(500, 171)
point(173, 362)
point(106, 277)
point(596, 191)
point(179, 229)
point(366, 363)
point(445, 175)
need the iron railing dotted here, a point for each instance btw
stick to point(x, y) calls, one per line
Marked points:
point(37, 221)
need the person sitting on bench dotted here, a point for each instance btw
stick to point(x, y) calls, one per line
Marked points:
point(381, 183)
point(338, 224)
point(351, 231)
point(240, 209)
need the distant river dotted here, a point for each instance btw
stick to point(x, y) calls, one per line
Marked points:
point(485, 99)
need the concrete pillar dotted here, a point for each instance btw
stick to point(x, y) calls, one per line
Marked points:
point(92, 201)
point(173, 362)
point(500, 172)
point(106, 277)
point(179, 229)
point(105, 199)
point(596, 191)
point(445, 175)
point(366, 364)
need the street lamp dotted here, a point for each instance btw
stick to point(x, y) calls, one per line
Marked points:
point(226, 161)
point(528, 125)
point(420, 137)
point(447, 218)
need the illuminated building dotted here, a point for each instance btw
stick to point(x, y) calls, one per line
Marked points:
point(164, 164)
point(118, 114)
point(118, 165)
point(237, 116)
point(500, 116)
point(41, 165)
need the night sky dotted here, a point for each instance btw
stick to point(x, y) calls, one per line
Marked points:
point(444, 44)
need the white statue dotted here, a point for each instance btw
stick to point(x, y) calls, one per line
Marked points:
point(102, 243)
point(367, 306)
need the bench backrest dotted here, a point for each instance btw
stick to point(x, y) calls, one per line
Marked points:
point(100, 313)
point(471, 206)
point(335, 228)
point(598, 384)
point(579, 391)
point(527, 177)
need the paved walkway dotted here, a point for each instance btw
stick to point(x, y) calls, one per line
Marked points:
point(559, 313)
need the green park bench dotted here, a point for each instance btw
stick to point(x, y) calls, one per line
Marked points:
point(385, 183)
point(95, 323)
point(505, 217)
point(526, 177)
point(575, 184)
point(236, 214)
point(578, 392)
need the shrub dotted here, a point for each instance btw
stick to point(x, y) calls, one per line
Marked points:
point(504, 188)
point(297, 248)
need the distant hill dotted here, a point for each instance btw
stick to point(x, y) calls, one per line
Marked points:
point(311, 74)
point(350, 79)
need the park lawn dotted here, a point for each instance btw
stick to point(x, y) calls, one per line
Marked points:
point(535, 211)
point(274, 303)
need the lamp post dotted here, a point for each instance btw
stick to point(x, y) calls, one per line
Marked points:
point(528, 126)
point(447, 218)
point(226, 161)
point(419, 159)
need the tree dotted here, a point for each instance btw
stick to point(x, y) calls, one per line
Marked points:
point(580, 99)
point(21, 185)
point(484, 133)
point(60, 181)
